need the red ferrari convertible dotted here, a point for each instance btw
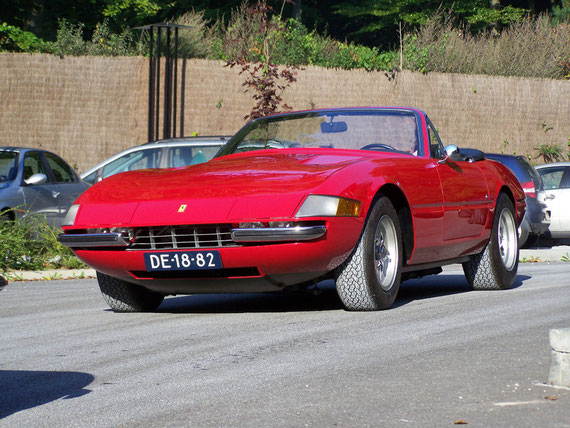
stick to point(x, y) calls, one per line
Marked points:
point(367, 196)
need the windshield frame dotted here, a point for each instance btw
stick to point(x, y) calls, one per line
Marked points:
point(233, 144)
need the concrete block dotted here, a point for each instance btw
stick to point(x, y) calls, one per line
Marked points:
point(560, 357)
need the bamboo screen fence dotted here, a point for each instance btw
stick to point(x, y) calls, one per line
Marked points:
point(89, 108)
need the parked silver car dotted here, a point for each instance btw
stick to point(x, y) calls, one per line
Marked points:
point(169, 153)
point(556, 178)
point(37, 181)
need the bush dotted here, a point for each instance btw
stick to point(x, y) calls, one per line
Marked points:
point(529, 48)
point(104, 42)
point(31, 244)
point(198, 41)
point(294, 45)
point(14, 39)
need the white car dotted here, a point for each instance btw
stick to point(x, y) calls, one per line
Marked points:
point(169, 153)
point(556, 178)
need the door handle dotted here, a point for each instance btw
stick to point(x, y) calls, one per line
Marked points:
point(550, 197)
point(55, 194)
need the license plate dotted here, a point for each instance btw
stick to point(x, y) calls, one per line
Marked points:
point(183, 260)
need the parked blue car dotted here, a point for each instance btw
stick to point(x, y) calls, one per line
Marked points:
point(36, 181)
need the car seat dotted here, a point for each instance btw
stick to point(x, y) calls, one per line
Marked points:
point(199, 158)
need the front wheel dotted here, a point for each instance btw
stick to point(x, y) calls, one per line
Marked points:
point(122, 296)
point(495, 268)
point(369, 280)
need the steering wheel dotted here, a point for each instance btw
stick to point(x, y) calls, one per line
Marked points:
point(378, 146)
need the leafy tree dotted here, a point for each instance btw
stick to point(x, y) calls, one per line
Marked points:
point(14, 39)
point(41, 17)
point(376, 23)
point(561, 13)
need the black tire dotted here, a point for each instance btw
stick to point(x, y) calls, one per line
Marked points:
point(123, 296)
point(495, 268)
point(370, 278)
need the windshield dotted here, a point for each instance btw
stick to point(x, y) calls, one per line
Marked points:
point(384, 130)
point(8, 166)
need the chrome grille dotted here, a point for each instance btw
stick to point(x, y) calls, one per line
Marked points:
point(177, 237)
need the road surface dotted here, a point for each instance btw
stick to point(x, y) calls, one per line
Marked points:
point(441, 355)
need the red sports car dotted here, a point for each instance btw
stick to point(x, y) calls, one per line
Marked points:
point(367, 196)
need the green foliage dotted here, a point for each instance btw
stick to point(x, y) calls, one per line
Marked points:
point(263, 77)
point(107, 43)
point(198, 41)
point(70, 41)
point(514, 45)
point(300, 47)
point(295, 45)
point(485, 18)
point(127, 14)
point(14, 39)
point(550, 153)
point(561, 14)
point(533, 47)
point(416, 56)
point(31, 244)
point(371, 21)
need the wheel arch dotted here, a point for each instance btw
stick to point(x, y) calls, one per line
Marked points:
point(9, 212)
point(402, 207)
point(509, 193)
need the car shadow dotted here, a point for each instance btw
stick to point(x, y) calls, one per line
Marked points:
point(545, 242)
point(23, 390)
point(320, 298)
point(323, 297)
point(434, 286)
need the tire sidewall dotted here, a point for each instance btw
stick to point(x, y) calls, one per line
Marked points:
point(383, 298)
point(503, 275)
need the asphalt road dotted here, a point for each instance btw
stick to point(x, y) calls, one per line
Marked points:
point(441, 355)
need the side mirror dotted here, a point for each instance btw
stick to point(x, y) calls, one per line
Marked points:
point(452, 154)
point(35, 179)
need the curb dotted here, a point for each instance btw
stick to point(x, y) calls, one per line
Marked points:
point(49, 275)
point(559, 253)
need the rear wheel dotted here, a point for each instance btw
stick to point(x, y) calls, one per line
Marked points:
point(369, 280)
point(495, 268)
point(123, 296)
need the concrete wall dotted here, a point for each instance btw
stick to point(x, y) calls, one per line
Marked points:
point(88, 108)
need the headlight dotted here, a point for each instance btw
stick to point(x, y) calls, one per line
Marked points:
point(329, 206)
point(69, 219)
point(127, 233)
point(251, 225)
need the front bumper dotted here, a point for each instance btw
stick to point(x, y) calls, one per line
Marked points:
point(264, 265)
point(90, 240)
point(266, 234)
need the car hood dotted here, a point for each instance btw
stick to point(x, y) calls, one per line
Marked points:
point(257, 185)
